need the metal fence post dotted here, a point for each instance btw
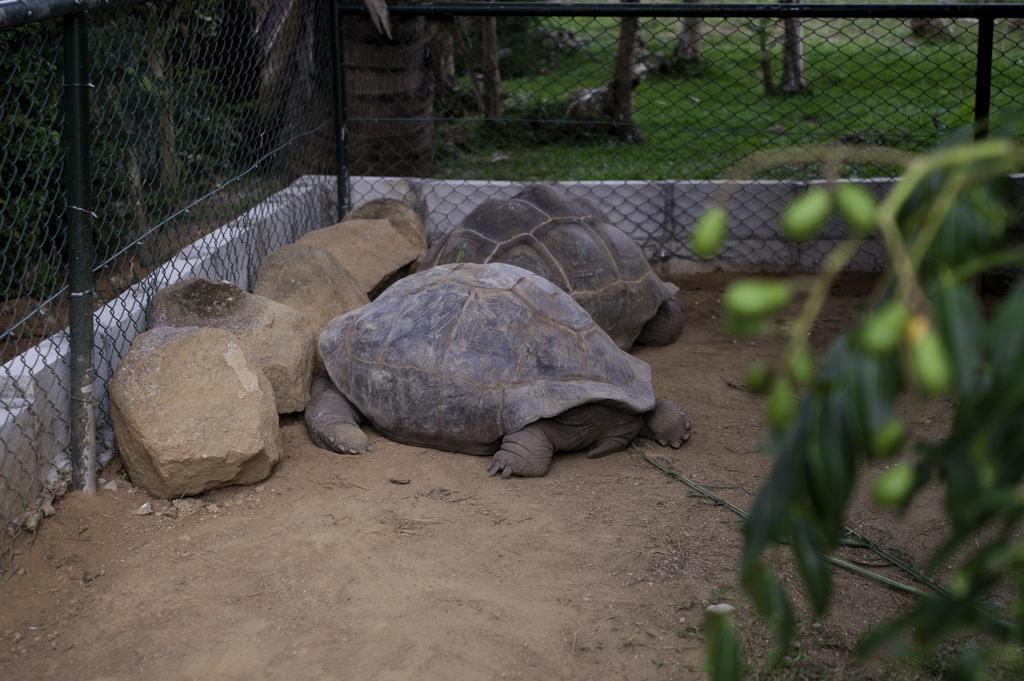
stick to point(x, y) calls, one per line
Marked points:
point(78, 211)
point(983, 77)
point(340, 113)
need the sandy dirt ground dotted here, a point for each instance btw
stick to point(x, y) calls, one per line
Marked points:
point(412, 564)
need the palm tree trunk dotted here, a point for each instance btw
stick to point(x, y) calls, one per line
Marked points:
point(390, 97)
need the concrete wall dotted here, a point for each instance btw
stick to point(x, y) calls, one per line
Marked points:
point(658, 215)
point(34, 412)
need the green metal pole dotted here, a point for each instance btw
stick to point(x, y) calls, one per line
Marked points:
point(340, 112)
point(79, 215)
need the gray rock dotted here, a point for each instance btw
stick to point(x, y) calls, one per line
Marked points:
point(311, 281)
point(275, 337)
point(192, 412)
point(371, 250)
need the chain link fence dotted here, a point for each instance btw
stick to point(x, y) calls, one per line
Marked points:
point(208, 129)
point(646, 113)
point(204, 117)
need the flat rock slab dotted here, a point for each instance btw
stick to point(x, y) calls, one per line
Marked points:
point(311, 281)
point(192, 411)
point(403, 218)
point(371, 250)
point(275, 337)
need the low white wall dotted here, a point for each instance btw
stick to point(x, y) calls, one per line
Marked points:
point(34, 403)
point(658, 215)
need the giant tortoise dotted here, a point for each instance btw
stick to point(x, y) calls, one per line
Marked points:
point(484, 359)
point(572, 244)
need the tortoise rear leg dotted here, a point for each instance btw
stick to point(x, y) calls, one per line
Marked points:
point(526, 452)
point(332, 421)
point(665, 326)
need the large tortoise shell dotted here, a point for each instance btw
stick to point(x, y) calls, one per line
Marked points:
point(457, 356)
point(569, 243)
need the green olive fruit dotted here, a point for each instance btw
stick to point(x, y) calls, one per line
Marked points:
point(804, 217)
point(881, 332)
point(857, 206)
point(801, 368)
point(758, 377)
point(781, 403)
point(753, 298)
point(888, 439)
point(929, 363)
point(894, 486)
point(709, 232)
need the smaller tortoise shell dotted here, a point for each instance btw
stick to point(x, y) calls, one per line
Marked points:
point(569, 243)
point(458, 356)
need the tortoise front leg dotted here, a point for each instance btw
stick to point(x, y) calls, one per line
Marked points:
point(526, 452)
point(332, 421)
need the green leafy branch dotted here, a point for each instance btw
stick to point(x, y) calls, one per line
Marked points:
point(943, 224)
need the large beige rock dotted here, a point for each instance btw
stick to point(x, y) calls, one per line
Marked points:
point(192, 412)
point(403, 218)
point(371, 250)
point(311, 281)
point(275, 336)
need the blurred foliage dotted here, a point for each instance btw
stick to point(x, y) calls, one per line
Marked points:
point(30, 160)
point(173, 113)
point(928, 333)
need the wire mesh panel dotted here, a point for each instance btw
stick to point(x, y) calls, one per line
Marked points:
point(34, 276)
point(629, 111)
point(209, 123)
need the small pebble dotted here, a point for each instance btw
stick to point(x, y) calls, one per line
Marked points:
point(398, 481)
point(145, 509)
point(110, 486)
point(47, 509)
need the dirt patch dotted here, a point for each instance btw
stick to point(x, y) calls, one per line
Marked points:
point(412, 564)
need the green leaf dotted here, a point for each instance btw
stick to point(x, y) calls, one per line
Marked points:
point(958, 319)
point(813, 568)
point(771, 603)
point(721, 649)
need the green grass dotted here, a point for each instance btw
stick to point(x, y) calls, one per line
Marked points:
point(868, 82)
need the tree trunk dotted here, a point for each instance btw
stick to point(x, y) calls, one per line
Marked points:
point(492, 68)
point(793, 55)
point(688, 48)
point(441, 47)
point(620, 90)
point(762, 27)
point(158, 29)
point(390, 97)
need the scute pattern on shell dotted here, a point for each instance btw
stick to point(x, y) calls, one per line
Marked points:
point(458, 356)
point(570, 243)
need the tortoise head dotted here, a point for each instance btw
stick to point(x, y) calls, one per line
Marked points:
point(666, 424)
